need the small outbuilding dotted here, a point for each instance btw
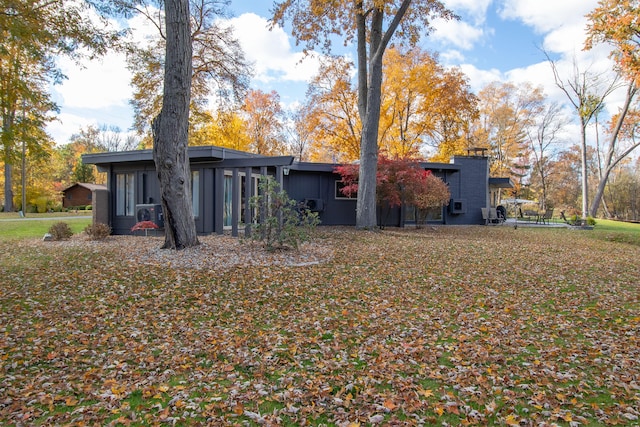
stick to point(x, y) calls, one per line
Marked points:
point(79, 194)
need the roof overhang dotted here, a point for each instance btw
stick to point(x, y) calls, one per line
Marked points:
point(200, 154)
point(501, 183)
point(330, 167)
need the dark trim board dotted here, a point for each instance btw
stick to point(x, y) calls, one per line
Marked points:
point(223, 187)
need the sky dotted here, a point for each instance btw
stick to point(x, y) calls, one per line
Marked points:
point(495, 40)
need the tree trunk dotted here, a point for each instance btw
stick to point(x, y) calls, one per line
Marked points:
point(8, 167)
point(367, 181)
point(379, 40)
point(585, 170)
point(8, 192)
point(171, 128)
point(363, 74)
point(610, 163)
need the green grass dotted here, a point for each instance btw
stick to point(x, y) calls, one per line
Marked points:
point(617, 231)
point(13, 227)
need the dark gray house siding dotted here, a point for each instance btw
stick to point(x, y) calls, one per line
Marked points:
point(222, 188)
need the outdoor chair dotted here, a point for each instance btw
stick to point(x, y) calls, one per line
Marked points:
point(491, 217)
point(530, 214)
point(546, 218)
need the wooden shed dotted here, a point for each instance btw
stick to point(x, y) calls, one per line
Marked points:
point(79, 194)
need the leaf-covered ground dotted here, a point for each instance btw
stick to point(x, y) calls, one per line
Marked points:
point(443, 326)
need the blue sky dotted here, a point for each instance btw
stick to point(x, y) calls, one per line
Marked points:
point(494, 40)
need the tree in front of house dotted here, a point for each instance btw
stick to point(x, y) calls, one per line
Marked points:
point(171, 131)
point(372, 24)
point(220, 70)
point(400, 181)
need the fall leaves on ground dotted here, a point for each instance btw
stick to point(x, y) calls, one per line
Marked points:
point(445, 325)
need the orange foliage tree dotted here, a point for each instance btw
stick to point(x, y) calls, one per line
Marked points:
point(372, 24)
point(264, 122)
point(618, 22)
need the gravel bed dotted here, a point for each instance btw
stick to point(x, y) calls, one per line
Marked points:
point(215, 252)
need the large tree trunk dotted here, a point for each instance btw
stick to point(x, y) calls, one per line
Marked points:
point(367, 181)
point(379, 40)
point(610, 162)
point(171, 131)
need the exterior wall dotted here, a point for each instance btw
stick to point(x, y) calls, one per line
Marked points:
point(147, 191)
point(301, 185)
point(100, 206)
point(467, 179)
point(76, 196)
point(470, 186)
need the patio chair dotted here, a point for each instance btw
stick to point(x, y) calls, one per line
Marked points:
point(490, 216)
point(485, 215)
point(494, 218)
point(546, 218)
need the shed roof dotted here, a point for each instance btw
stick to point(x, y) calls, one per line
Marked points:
point(88, 186)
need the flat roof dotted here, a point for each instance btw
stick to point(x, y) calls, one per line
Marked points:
point(201, 153)
point(501, 183)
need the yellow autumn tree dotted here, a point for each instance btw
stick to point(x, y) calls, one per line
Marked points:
point(333, 122)
point(222, 129)
point(505, 112)
point(423, 104)
point(264, 117)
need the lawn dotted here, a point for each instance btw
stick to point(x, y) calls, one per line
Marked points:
point(454, 325)
point(36, 225)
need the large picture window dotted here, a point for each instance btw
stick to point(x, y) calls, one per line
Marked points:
point(125, 194)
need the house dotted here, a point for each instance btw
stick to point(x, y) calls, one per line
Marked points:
point(79, 194)
point(223, 180)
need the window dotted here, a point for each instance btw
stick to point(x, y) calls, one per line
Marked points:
point(228, 197)
point(228, 200)
point(339, 195)
point(195, 192)
point(125, 195)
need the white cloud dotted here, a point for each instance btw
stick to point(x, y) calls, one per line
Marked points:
point(479, 78)
point(547, 15)
point(457, 33)
point(271, 51)
point(475, 9)
point(100, 83)
point(452, 56)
